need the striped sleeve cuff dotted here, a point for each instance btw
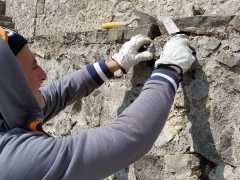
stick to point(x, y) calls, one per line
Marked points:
point(99, 72)
point(166, 75)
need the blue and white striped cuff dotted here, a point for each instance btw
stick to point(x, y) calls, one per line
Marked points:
point(166, 75)
point(99, 72)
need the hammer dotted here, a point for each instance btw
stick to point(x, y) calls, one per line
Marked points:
point(165, 25)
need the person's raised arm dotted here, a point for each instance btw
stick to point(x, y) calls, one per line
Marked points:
point(101, 151)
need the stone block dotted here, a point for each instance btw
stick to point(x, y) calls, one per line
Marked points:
point(150, 30)
point(115, 35)
point(203, 22)
point(150, 168)
point(207, 46)
point(172, 167)
point(101, 36)
point(234, 44)
point(181, 164)
point(228, 59)
point(170, 130)
point(225, 172)
point(212, 44)
point(40, 7)
point(96, 37)
point(71, 16)
point(236, 23)
point(24, 14)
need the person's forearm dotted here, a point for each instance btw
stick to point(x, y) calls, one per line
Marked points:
point(76, 85)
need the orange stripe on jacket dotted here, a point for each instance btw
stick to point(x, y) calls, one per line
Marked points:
point(35, 125)
point(3, 35)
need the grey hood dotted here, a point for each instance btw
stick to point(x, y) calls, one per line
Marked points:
point(18, 107)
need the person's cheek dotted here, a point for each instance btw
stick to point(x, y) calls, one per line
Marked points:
point(35, 81)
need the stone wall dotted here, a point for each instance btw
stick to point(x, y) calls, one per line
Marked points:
point(201, 137)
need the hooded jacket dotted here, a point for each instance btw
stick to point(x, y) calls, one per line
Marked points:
point(90, 154)
point(18, 106)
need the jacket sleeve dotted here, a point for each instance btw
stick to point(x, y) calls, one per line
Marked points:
point(97, 153)
point(74, 86)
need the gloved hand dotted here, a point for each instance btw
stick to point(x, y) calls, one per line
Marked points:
point(177, 54)
point(129, 54)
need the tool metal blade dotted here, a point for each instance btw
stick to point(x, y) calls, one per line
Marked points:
point(169, 25)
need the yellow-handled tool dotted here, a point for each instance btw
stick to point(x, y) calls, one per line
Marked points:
point(114, 24)
point(117, 24)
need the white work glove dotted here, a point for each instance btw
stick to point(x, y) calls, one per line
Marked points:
point(129, 54)
point(177, 54)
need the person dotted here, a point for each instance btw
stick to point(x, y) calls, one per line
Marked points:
point(27, 153)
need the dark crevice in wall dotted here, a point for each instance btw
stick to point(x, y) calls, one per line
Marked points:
point(39, 10)
point(206, 166)
point(2, 8)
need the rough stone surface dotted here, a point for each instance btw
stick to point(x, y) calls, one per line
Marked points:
point(2, 7)
point(236, 23)
point(222, 172)
point(201, 137)
point(25, 20)
point(229, 59)
point(172, 167)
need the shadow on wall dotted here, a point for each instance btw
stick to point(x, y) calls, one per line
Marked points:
point(196, 95)
point(195, 99)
